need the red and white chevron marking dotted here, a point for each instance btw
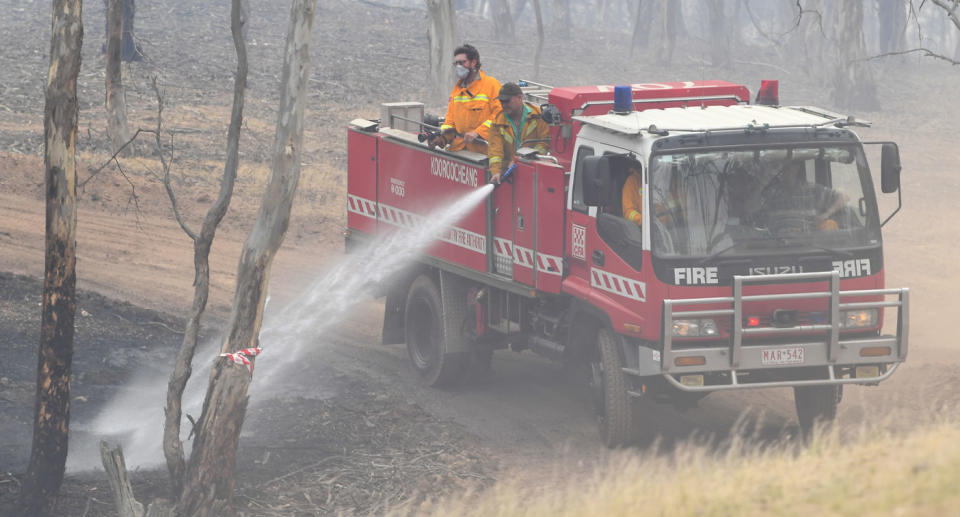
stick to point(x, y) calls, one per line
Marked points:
point(523, 257)
point(410, 221)
point(359, 205)
point(240, 357)
point(549, 264)
point(619, 285)
point(503, 247)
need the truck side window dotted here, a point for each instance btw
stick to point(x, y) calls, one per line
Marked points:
point(578, 203)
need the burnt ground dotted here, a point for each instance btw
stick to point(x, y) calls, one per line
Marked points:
point(354, 431)
point(356, 446)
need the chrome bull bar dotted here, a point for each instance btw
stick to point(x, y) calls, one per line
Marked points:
point(827, 353)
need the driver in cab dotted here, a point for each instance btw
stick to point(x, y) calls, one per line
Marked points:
point(792, 191)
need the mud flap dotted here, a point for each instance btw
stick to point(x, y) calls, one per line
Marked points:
point(453, 291)
point(394, 308)
point(393, 331)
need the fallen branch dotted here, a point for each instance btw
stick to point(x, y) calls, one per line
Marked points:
point(301, 469)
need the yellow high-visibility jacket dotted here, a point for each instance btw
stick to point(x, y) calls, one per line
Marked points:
point(504, 142)
point(472, 108)
point(632, 199)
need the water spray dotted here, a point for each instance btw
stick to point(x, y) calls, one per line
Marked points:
point(135, 416)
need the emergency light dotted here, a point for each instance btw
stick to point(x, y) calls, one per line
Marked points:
point(622, 100)
point(769, 94)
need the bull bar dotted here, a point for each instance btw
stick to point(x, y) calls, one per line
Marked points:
point(827, 353)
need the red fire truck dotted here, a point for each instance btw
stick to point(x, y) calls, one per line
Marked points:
point(757, 263)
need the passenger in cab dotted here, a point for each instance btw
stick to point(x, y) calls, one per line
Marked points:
point(519, 124)
point(668, 211)
point(472, 107)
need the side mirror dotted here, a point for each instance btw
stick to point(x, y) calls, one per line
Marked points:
point(889, 168)
point(597, 181)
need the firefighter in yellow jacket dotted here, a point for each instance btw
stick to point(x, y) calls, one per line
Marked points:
point(473, 104)
point(518, 125)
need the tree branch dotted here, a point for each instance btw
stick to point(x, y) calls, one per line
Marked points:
point(166, 166)
point(133, 193)
point(926, 53)
point(114, 156)
point(951, 7)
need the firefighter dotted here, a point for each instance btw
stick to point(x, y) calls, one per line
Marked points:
point(473, 104)
point(518, 125)
point(632, 195)
point(669, 211)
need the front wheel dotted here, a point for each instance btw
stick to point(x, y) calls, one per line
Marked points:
point(609, 384)
point(430, 327)
point(816, 404)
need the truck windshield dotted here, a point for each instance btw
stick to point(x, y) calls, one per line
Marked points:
point(787, 199)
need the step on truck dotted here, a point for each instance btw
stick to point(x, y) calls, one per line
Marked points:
point(757, 261)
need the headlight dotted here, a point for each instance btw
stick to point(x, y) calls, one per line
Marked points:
point(858, 319)
point(695, 328)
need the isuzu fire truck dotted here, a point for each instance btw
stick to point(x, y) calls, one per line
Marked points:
point(758, 262)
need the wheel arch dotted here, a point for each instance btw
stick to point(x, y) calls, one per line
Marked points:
point(584, 321)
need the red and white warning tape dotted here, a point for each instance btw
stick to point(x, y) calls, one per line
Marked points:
point(240, 357)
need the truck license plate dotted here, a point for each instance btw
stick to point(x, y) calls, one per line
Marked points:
point(775, 356)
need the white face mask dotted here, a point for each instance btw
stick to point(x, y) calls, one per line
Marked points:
point(462, 71)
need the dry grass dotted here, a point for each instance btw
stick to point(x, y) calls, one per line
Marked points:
point(876, 472)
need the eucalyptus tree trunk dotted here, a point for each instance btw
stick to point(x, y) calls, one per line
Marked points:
point(172, 446)
point(502, 21)
point(51, 423)
point(441, 35)
point(641, 26)
point(719, 34)
point(669, 19)
point(536, 55)
point(892, 16)
point(209, 481)
point(561, 17)
point(853, 81)
point(116, 103)
point(808, 41)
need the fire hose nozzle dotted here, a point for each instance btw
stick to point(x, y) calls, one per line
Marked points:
point(507, 176)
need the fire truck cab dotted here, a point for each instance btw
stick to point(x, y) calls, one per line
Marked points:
point(753, 258)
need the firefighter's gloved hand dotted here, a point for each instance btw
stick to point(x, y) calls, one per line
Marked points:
point(495, 179)
point(470, 136)
point(437, 141)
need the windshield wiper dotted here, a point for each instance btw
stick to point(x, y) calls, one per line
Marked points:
point(833, 251)
point(712, 256)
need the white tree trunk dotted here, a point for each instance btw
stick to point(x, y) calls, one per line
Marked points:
point(209, 480)
point(202, 242)
point(441, 34)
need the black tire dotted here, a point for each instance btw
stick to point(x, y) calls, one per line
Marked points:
point(613, 405)
point(816, 404)
point(429, 328)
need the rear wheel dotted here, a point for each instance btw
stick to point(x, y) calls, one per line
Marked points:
point(816, 404)
point(430, 328)
point(609, 384)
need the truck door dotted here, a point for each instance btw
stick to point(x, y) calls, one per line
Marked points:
point(599, 268)
point(528, 223)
